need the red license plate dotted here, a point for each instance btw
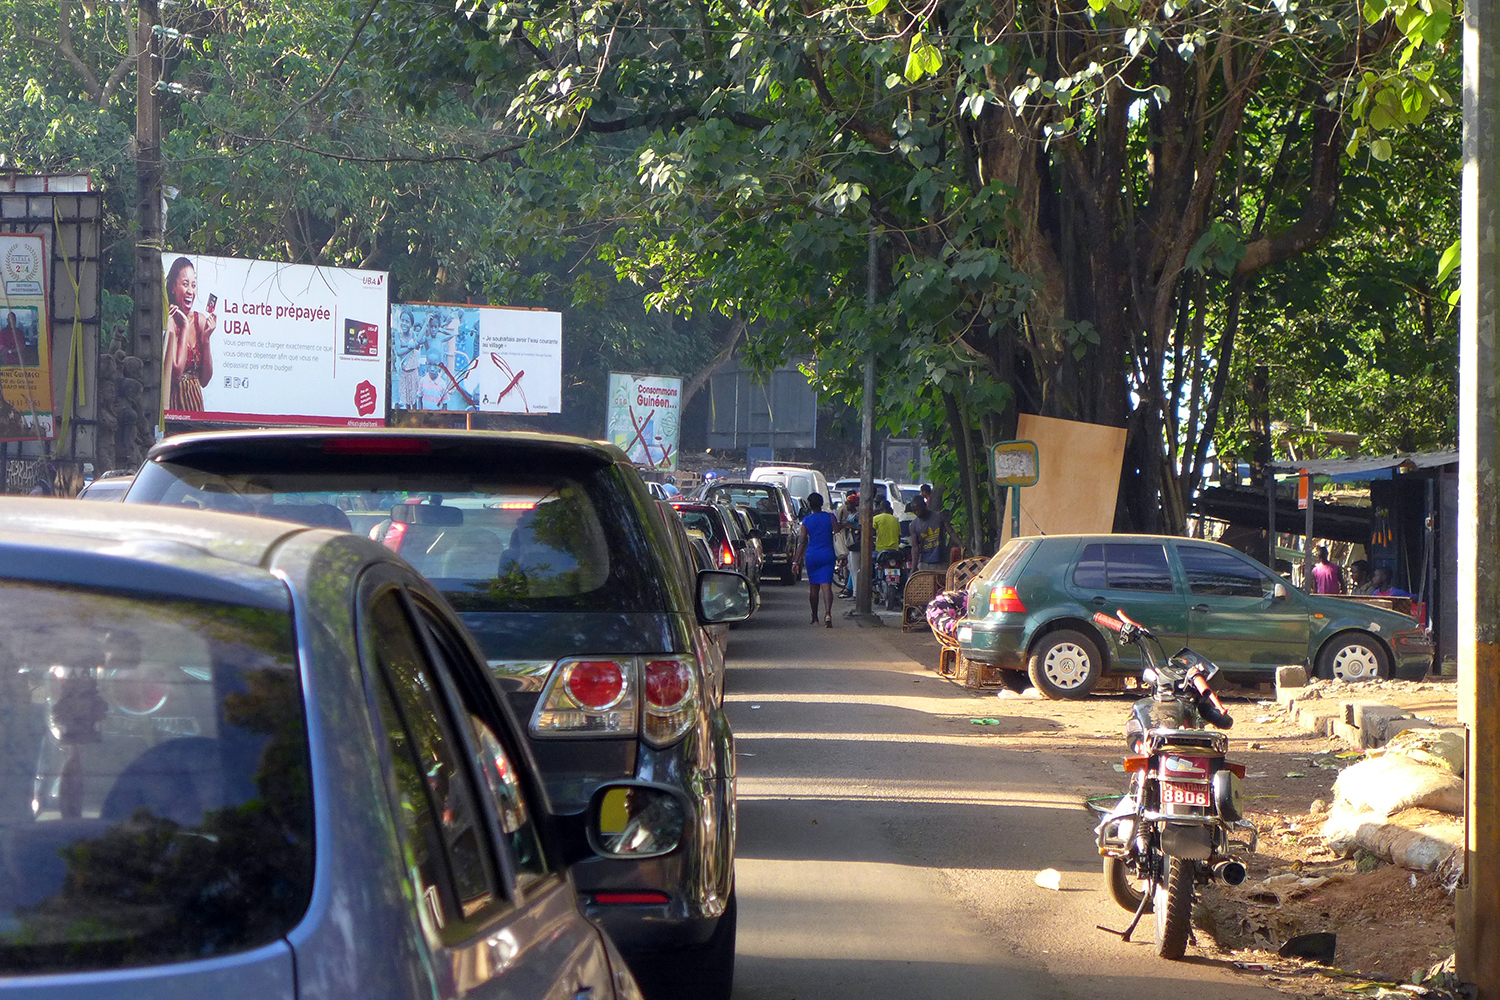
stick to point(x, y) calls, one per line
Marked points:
point(1174, 794)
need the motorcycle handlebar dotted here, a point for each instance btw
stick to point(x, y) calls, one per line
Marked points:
point(1114, 625)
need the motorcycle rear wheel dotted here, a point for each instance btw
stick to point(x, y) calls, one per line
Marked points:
point(1174, 909)
point(1124, 888)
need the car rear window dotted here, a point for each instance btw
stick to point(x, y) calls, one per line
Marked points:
point(155, 804)
point(700, 521)
point(1123, 566)
point(763, 503)
point(501, 539)
point(1004, 564)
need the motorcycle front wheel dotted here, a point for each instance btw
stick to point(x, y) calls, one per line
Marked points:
point(1124, 888)
point(1174, 909)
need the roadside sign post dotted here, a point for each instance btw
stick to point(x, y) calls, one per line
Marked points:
point(1015, 464)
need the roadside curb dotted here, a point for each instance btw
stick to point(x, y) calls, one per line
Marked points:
point(1363, 724)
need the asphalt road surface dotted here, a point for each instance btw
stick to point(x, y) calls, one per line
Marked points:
point(888, 847)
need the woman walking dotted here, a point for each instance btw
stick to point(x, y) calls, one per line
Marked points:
point(815, 546)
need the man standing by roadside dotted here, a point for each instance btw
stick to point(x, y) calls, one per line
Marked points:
point(928, 548)
point(1326, 577)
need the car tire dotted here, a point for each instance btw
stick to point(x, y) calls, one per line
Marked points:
point(1065, 664)
point(1353, 656)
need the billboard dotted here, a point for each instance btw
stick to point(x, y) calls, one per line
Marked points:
point(255, 341)
point(25, 339)
point(643, 418)
point(489, 359)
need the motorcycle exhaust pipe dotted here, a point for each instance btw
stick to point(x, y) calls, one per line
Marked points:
point(1230, 872)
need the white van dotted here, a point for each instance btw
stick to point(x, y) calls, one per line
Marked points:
point(799, 481)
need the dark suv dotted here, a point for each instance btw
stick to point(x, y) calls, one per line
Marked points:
point(775, 514)
point(562, 565)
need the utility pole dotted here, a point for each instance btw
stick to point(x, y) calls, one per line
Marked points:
point(864, 583)
point(1478, 901)
point(146, 323)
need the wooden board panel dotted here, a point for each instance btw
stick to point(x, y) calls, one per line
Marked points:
point(1080, 477)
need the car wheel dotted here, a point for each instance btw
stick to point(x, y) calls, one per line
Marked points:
point(1353, 657)
point(702, 973)
point(1065, 664)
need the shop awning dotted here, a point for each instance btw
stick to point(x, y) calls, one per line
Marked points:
point(1365, 467)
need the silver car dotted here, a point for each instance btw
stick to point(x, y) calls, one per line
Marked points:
point(246, 757)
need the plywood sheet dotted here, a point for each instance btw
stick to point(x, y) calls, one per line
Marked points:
point(1080, 477)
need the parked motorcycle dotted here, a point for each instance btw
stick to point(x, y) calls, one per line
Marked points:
point(890, 571)
point(1172, 831)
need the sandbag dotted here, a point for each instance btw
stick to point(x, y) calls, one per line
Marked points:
point(1387, 784)
point(1439, 747)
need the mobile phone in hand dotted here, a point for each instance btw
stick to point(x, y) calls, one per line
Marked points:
point(213, 300)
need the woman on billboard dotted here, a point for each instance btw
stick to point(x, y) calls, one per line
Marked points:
point(189, 362)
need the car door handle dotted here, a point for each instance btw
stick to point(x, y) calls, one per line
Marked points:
point(1100, 601)
point(1202, 607)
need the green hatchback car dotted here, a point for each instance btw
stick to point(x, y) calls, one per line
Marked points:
point(1031, 611)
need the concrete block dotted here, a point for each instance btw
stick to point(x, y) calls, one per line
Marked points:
point(1291, 677)
point(1316, 716)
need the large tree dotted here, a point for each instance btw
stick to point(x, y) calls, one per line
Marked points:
point(1068, 192)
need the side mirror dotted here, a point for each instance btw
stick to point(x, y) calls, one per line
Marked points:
point(1278, 593)
point(635, 820)
point(724, 598)
point(756, 533)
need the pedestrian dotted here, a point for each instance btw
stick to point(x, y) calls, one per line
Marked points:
point(815, 551)
point(1382, 585)
point(848, 523)
point(1327, 577)
point(1359, 576)
point(927, 548)
point(887, 528)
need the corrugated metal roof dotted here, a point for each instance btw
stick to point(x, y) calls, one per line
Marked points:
point(1353, 468)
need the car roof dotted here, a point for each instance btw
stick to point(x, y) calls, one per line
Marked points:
point(600, 452)
point(1125, 538)
point(173, 550)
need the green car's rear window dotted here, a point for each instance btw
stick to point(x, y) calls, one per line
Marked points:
point(1004, 564)
point(155, 804)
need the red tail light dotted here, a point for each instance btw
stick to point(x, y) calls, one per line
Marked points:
point(671, 699)
point(376, 445)
point(786, 524)
point(589, 697)
point(595, 685)
point(393, 536)
point(1006, 599)
point(726, 555)
point(628, 898)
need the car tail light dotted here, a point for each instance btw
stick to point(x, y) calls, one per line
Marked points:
point(726, 555)
point(1006, 599)
point(589, 697)
point(376, 445)
point(671, 699)
point(632, 898)
point(393, 535)
point(786, 524)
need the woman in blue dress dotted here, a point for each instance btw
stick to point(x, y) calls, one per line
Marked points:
point(815, 550)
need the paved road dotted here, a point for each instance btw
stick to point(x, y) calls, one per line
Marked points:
point(888, 847)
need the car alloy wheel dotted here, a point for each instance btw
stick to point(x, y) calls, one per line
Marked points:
point(1354, 659)
point(1065, 664)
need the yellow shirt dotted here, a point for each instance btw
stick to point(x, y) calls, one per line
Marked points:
point(887, 532)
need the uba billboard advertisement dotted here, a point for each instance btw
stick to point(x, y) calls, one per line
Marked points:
point(254, 341)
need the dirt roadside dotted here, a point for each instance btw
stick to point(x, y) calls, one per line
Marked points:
point(1391, 924)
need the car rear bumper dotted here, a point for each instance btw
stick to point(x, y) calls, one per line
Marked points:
point(993, 643)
